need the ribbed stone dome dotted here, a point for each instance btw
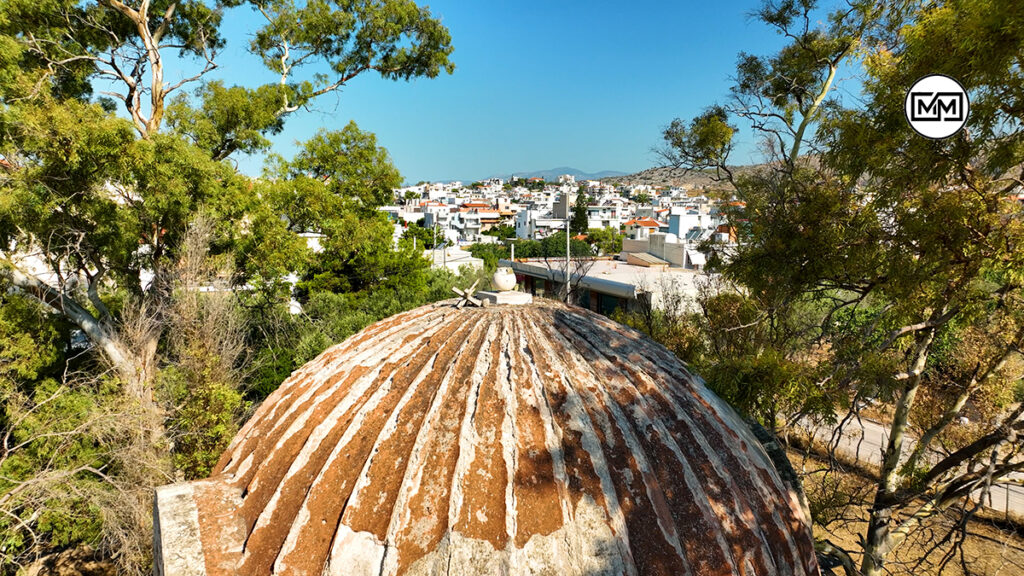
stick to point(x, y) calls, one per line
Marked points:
point(514, 440)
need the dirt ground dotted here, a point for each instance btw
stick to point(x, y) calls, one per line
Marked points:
point(990, 546)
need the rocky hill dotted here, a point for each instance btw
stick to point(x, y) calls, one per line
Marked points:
point(668, 176)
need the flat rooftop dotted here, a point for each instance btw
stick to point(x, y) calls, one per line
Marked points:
point(605, 272)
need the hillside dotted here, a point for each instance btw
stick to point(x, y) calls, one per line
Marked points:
point(668, 176)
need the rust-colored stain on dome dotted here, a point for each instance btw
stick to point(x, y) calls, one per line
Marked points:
point(537, 439)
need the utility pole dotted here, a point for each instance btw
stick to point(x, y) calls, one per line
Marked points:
point(567, 286)
point(512, 247)
point(566, 243)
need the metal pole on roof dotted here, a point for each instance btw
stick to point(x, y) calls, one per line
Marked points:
point(567, 245)
point(567, 257)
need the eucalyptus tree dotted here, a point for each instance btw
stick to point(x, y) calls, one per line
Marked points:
point(103, 201)
point(894, 259)
point(116, 136)
point(783, 98)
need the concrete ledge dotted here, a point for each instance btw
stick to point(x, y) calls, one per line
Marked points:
point(177, 549)
point(510, 298)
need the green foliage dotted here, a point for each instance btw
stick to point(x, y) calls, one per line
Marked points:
point(335, 170)
point(888, 263)
point(678, 330)
point(607, 240)
point(503, 232)
point(51, 429)
point(28, 341)
point(580, 222)
point(358, 255)
point(526, 248)
point(766, 386)
point(287, 341)
point(93, 186)
point(228, 118)
point(832, 496)
point(553, 246)
point(703, 143)
point(490, 253)
point(331, 187)
point(331, 43)
point(207, 420)
point(424, 237)
point(891, 229)
point(727, 338)
point(529, 184)
point(108, 201)
point(48, 486)
point(396, 38)
point(269, 249)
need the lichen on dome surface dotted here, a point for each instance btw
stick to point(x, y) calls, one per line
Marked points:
point(536, 439)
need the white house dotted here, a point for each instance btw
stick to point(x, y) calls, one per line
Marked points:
point(535, 224)
point(641, 228)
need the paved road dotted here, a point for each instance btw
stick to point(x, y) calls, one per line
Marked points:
point(864, 441)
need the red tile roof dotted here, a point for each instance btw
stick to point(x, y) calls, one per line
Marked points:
point(645, 222)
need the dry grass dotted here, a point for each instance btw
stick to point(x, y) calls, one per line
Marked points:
point(840, 497)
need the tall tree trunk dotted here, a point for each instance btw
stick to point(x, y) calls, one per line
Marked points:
point(133, 358)
point(138, 373)
point(877, 541)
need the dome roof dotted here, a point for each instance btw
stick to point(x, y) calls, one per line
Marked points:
point(536, 439)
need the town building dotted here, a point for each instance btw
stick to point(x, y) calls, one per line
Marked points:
point(641, 228)
point(453, 258)
point(536, 224)
point(606, 285)
point(464, 214)
point(668, 247)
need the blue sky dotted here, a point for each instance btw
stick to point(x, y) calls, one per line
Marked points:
point(538, 84)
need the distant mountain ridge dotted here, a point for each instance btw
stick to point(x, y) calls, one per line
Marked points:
point(551, 175)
